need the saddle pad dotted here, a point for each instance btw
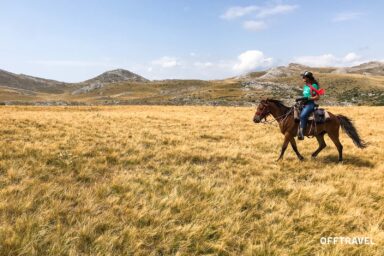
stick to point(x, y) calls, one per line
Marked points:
point(296, 115)
point(312, 116)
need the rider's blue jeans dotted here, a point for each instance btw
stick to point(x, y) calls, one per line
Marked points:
point(307, 110)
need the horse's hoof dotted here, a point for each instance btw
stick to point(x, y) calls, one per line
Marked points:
point(301, 158)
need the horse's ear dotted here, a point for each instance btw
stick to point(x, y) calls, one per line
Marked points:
point(264, 102)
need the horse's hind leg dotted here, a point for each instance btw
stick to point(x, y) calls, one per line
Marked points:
point(293, 144)
point(322, 145)
point(335, 138)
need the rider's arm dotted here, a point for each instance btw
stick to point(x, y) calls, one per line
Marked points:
point(307, 92)
point(301, 99)
point(316, 97)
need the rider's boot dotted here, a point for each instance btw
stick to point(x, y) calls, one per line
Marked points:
point(300, 134)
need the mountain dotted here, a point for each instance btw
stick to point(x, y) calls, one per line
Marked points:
point(30, 83)
point(351, 87)
point(357, 85)
point(109, 77)
point(284, 71)
point(116, 76)
point(375, 68)
point(291, 70)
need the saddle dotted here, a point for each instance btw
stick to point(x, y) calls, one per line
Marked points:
point(319, 115)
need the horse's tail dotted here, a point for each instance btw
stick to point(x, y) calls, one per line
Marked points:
point(350, 130)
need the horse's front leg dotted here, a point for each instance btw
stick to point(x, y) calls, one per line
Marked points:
point(285, 145)
point(293, 144)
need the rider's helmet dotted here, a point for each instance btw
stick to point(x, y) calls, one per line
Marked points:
point(307, 74)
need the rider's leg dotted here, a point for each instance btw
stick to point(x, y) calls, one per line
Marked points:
point(308, 108)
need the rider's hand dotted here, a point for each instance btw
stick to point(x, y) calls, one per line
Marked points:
point(300, 99)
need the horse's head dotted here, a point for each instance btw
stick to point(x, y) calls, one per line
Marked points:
point(262, 111)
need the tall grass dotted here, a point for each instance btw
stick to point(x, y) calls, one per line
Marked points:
point(181, 181)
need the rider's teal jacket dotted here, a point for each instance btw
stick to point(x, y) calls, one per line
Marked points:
point(307, 90)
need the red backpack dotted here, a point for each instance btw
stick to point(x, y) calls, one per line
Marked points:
point(319, 92)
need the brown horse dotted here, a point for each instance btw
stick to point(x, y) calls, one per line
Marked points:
point(285, 118)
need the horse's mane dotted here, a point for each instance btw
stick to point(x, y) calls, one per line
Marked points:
point(279, 103)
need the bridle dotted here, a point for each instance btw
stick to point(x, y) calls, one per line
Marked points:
point(265, 112)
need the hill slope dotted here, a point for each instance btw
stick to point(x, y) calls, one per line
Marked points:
point(30, 83)
point(351, 87)
point(115, 76)
point(109, 77)
point(374, 68)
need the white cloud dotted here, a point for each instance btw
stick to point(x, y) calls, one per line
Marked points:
point(258, 11)
point(274, 10)
point(316, 61)
point(251, 60)
point(345, 16)
point(351, 57)
point(166, 62)
point(254, 25)
point(238, 11)
point(328, 60)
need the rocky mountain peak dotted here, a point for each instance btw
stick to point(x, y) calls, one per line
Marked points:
point(116, 76)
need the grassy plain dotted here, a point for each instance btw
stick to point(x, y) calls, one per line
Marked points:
point(162, 180)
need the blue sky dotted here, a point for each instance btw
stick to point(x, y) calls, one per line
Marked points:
point(71, 41)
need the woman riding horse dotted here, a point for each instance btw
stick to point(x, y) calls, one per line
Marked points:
point(285, 117)
point(311, 93)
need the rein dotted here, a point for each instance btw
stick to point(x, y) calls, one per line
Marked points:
point(277, 119)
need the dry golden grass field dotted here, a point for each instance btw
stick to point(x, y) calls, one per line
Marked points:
point(162, 180)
